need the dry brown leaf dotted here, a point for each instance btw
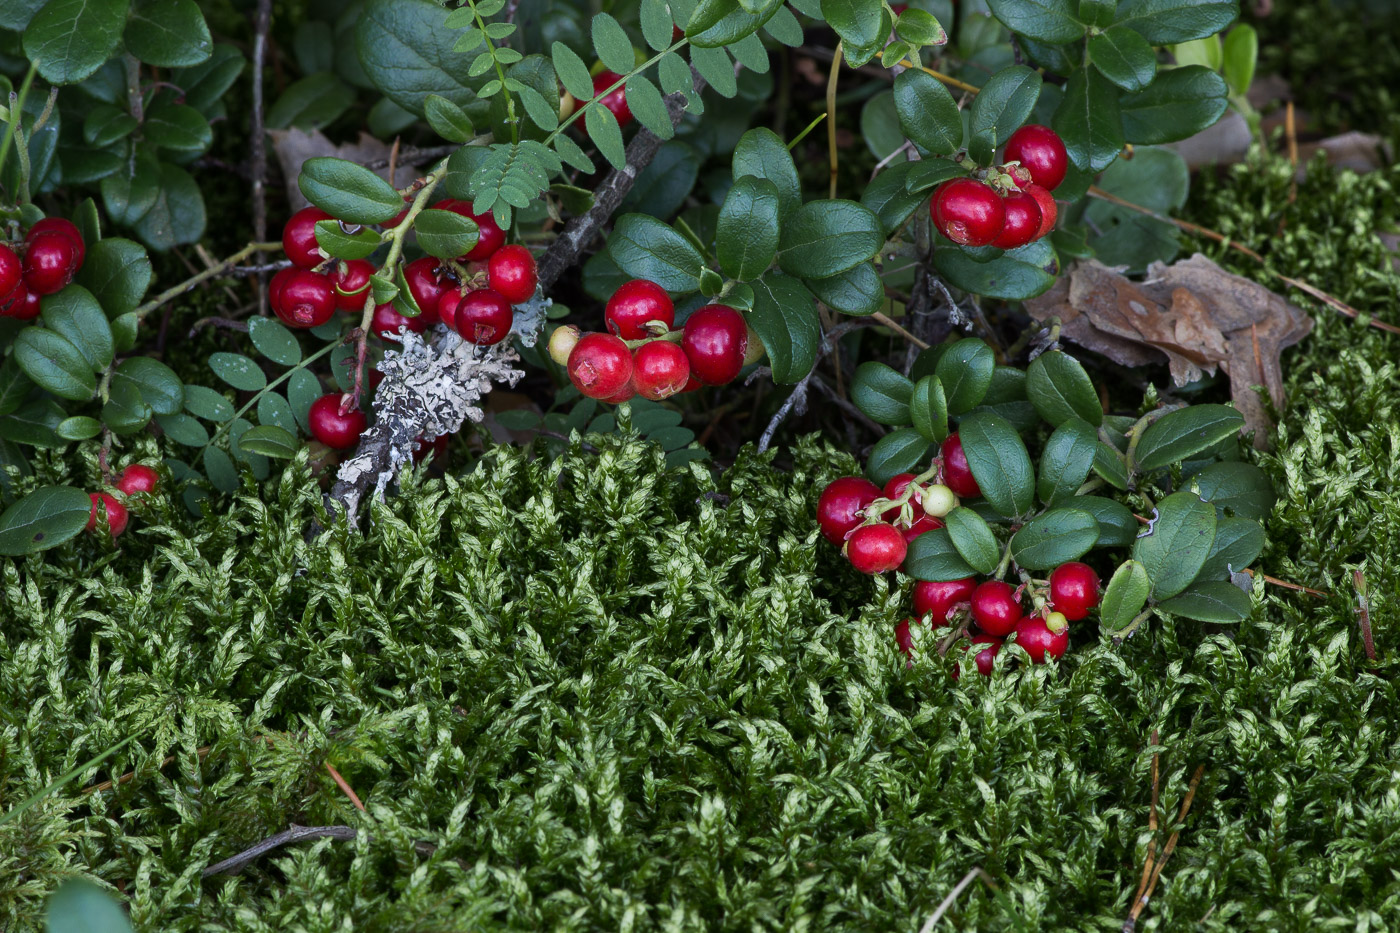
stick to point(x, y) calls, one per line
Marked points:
point(1192, 315)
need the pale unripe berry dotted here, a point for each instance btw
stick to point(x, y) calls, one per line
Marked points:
point(1056, 622)
point(561, 343)
point(939, 501)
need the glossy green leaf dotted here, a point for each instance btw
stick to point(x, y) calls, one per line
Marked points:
point(1109, 465)
point(928, 115)
point(825, 238)
point(611, 43)
point(78, 428)
point(932, 556)
point(1184, 433)
point(105, 125)
point(900, 451)
point(920, 27)
point(445, 234)
point(348, 192)
point(889, 198)
point(1238, 488)
point(1125, 596)
point(1046, 20)
point(645, 248)
point(177, 217)
point(220, 470)
point(648, 107)
point(999, 462)
point(182, 429)
point(131, 192)
point(928, 409)
point(857, 291)
point(447, 119)
point(14, 385)
point(75, 315)
point(238, 371)
point(311, 103)
point(1163, 22)
point(1117, 526)
point(125, 412)
point(882, 393)
point(929, 173)
point(1060, 389)
point(270, 441)
point(1238, 543)
point(274, 341)
point(746, 238)
point(118, 273)
point(717, 23)
point(46, 517)
point(303, 389)
point(1123, 57)
point(1051, 539)
point(1177, 543)
point(54, 364)
point(965, 370)
point(606, 134)
point(1178, 104)
point(1066, 461)
point(786, 321)
point(70, 39)
point(1241, 54)
point(1005, 102)
point(159, 386)
point(1211, 601)
point(762, 154)
point(973, 539)
point(857, 22)
point(406, 51)
point(1018, 275)
point(1089, 122)
point(332, 238)
point(168, 33)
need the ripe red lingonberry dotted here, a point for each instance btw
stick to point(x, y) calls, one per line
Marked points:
point(660, 369)
point(841, 506)
point(940, 598)
point(22, 304)
point(511, 272)
point(65, 227)
point(615, 102)
point(426, 286)
point(350, 279)
point(905, 639)
point(985, 658)
point(895, 488)
point(137, 478)
point(483, 317)
point(918, 526)
point(1042, 637)
point(968, 212)
point(1041, 151)
point(330, 427)
point(9, 272)
point(447, 307)
point(50, 262)
point(716, 339)
point(299, 237)
point(876, 548)
point(489, 238)
point(305, 299)
point(634, 305)
point(1049, 210)
point(437, 447)
point(995, 608)
point(117, 515)
point(600, 365)
point(957, 475)
point(1074, 590)
point(624, 394)
point(1022, 221)
point(387, 321)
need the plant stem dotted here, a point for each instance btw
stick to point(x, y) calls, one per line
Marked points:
point(831, 108)
point(809, 127)
point(500, 76)
point(946, 79)
point(223, 428)
point(16, 111)
point(212, 272)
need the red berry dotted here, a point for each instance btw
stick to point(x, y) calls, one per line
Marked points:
point(1049, 210)
point(483, 317)
point(22, 304)
point(716, 339)
point(616, 102)
point(50, 262)
point(299, 237)
point(634, 305)
point(9, 272)
point(350, 280)
point(117, 514)
point(1074, 590)
point(660, 369)
point(677, 34)
point(437, 447)
point(920, 525)
point(305, 299)
point(399, 217)
point(985, 658)
point(1023, 221)
point(65, 227)
point(968, 212)
point(898, 8)
point(905, 639)
point(447, 307)
point(511, 272)
point(940, 598)
point(137, 478)
point(426, 286)
point(1038, 640)
point(957, 475)
point(876, 548)
point(279, 280)
point(895, 488)
point(995, 609)
point(489, 238)
point(600, 365)
point(624, 394)
point(841, 506)
point(387, 321)
point(330, 427)
point(1041, 151)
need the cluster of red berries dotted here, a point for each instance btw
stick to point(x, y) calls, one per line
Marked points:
point(135, 479)
point(52, 253)
point(1014, 206)
point(641, 354)
point(991, 611)
point(876, 540)
point(475, 301)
